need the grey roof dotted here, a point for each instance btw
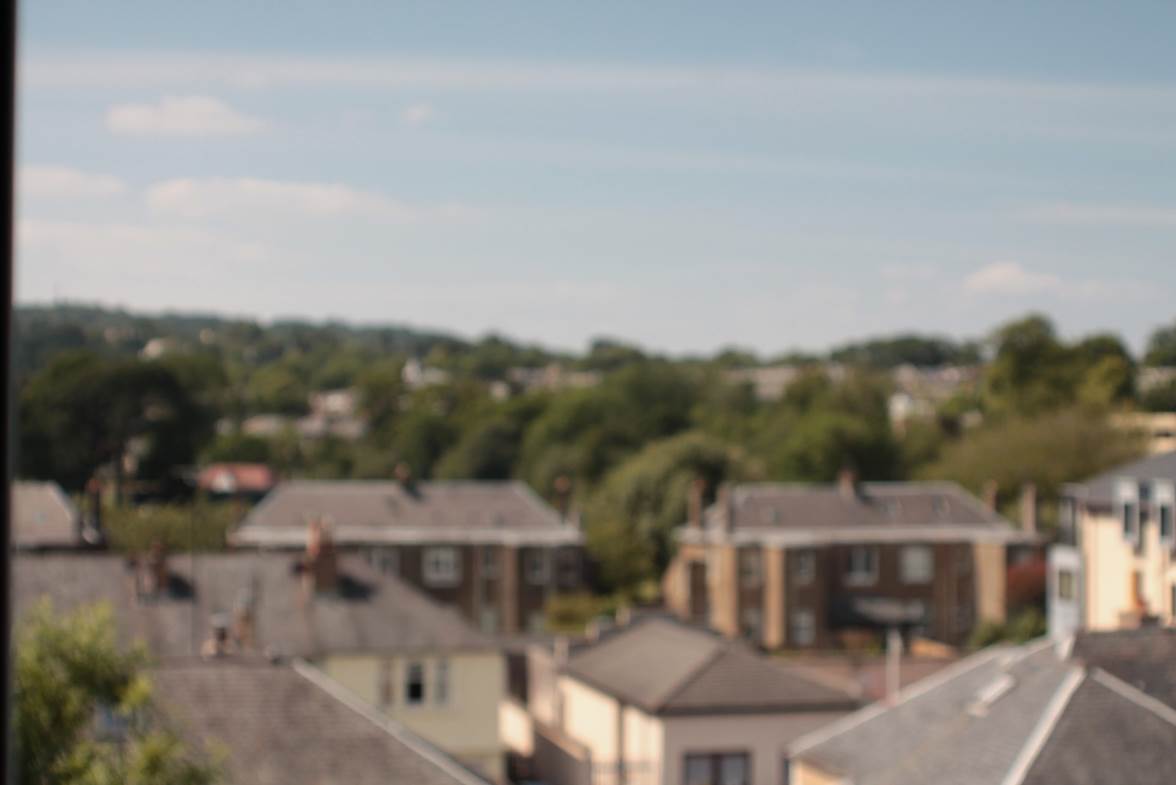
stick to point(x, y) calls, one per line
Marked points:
point(1005, 715)
point(371, 612)
point(43, 516)
point(901, 510)
point(666, 667)
point(375, 511)
point(1145, 658)
point(1100, 489)
point(280, 725)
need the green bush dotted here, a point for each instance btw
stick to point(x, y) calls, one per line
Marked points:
point(203, 526)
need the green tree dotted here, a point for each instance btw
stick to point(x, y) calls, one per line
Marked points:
point(380, 389)
point(1031, 371)
point(1161, 347)
point(280, 388)
point(67, 672)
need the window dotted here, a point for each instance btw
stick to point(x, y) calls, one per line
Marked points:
point(569, 568)
point(1166, 522)
point(414, 684)
point(804, 628)
point(442, 567)
point(537, 566)
point(862, 569)
point(1164, 497)
point(751, 621)
point(1127, 500)
point(750, 567)
point(489, 565)
point(785, 772)
point(916, 564)
point(441, 682)
point(386, 560)
point(804, 568)
point(729, 768)
point(1065, 584)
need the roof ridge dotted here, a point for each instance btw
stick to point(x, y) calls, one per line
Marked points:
point(719, 650)
point(390, 726)
point(1044, 727)
point(1134, 694)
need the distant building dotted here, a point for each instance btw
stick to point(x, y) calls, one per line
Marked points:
point(1099, 709)
point(291, 724)
point(821, 566)
point(552, 377)
point(412, 659)
point(768, 383)
point(492, 549)
point(416, 375)
point(246, 481)
point(44, 518)
point(1157, 428)
point(1115, 565)
point(658, 701)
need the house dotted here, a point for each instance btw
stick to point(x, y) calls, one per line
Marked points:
point(1095, 709)
point(417, 662)
point(245, 481)
point(820, 566)
point(657, 702)
point(44, 518)
point(492, 549)
point(1115, 564)
point(1158, 429)
point(289, 724)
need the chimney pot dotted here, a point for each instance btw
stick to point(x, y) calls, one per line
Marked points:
point(697, 489)
point(1029, 508)
point(726, 502)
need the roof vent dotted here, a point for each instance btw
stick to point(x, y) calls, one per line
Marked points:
point(990, 694)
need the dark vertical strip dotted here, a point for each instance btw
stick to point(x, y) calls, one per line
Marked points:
point(7, 429)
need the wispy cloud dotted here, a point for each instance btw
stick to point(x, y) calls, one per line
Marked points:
point(196, 198)
point(1101, 214)
point(417, 114)
point(1010, 278)
point(181, 116)
point(63, 182)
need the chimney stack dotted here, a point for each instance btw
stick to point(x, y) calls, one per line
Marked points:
point(244, 619)
point(726, 502)
point(321, 571)
point(154, 579)
point(847, 483)
point(563, 495)
point(404, 476)
point(695, 502)
point(989, 494)
point(1029, 508)
point(218, 643)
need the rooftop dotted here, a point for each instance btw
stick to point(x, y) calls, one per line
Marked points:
point(1005, 716)
point(43, 516)
point(389, 511)
point(311, 731)
point(666, 667)
point(1100, 490)
point(368, 612)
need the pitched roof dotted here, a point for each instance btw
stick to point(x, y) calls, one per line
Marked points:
point(666, 667)
point(1003, 716)
point(806, 512)
point(378, 511)
point(1145, 658)
point(283, 725)
point(236, 478)
point(371, 612)
point(1100, 489)
point(43, 516)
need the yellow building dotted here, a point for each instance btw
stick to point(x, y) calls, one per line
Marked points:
point(1116, 565)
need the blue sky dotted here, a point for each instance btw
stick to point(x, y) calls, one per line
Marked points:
point(685, 175)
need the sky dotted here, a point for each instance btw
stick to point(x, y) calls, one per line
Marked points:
point(684, 175)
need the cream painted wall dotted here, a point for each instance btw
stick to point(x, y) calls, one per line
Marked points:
point(990, 580)
point(1109, 562)
point(807, 774)
point(466, 724)
point(765, 736)
point(644, 737)
point(590, 717)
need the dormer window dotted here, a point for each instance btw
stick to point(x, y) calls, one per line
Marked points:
point(1127, 507)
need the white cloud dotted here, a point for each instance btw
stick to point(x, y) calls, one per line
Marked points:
point(417, 114)
point(1101, 214)
point(63, 182)
point(181, 116)
point(1010, 278)
point(195, 198)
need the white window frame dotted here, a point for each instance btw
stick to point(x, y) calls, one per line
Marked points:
point(904, 566)
point(441, 682)
point(862, 578)
point(804, 575)
point(441, 565)
point(1127, 510)
point(1164, 498)
point(537, 566)
point(751, 568)
point(805, 620)
point(418, 667)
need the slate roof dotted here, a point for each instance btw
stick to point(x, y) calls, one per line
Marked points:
point(363, 511)
point(1100, 489)
point(1005, 716)
point(665, 667)
point(284, 725)
point(899, 509)
point(43, 516)
point(372, 612)
point(1145, 658)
